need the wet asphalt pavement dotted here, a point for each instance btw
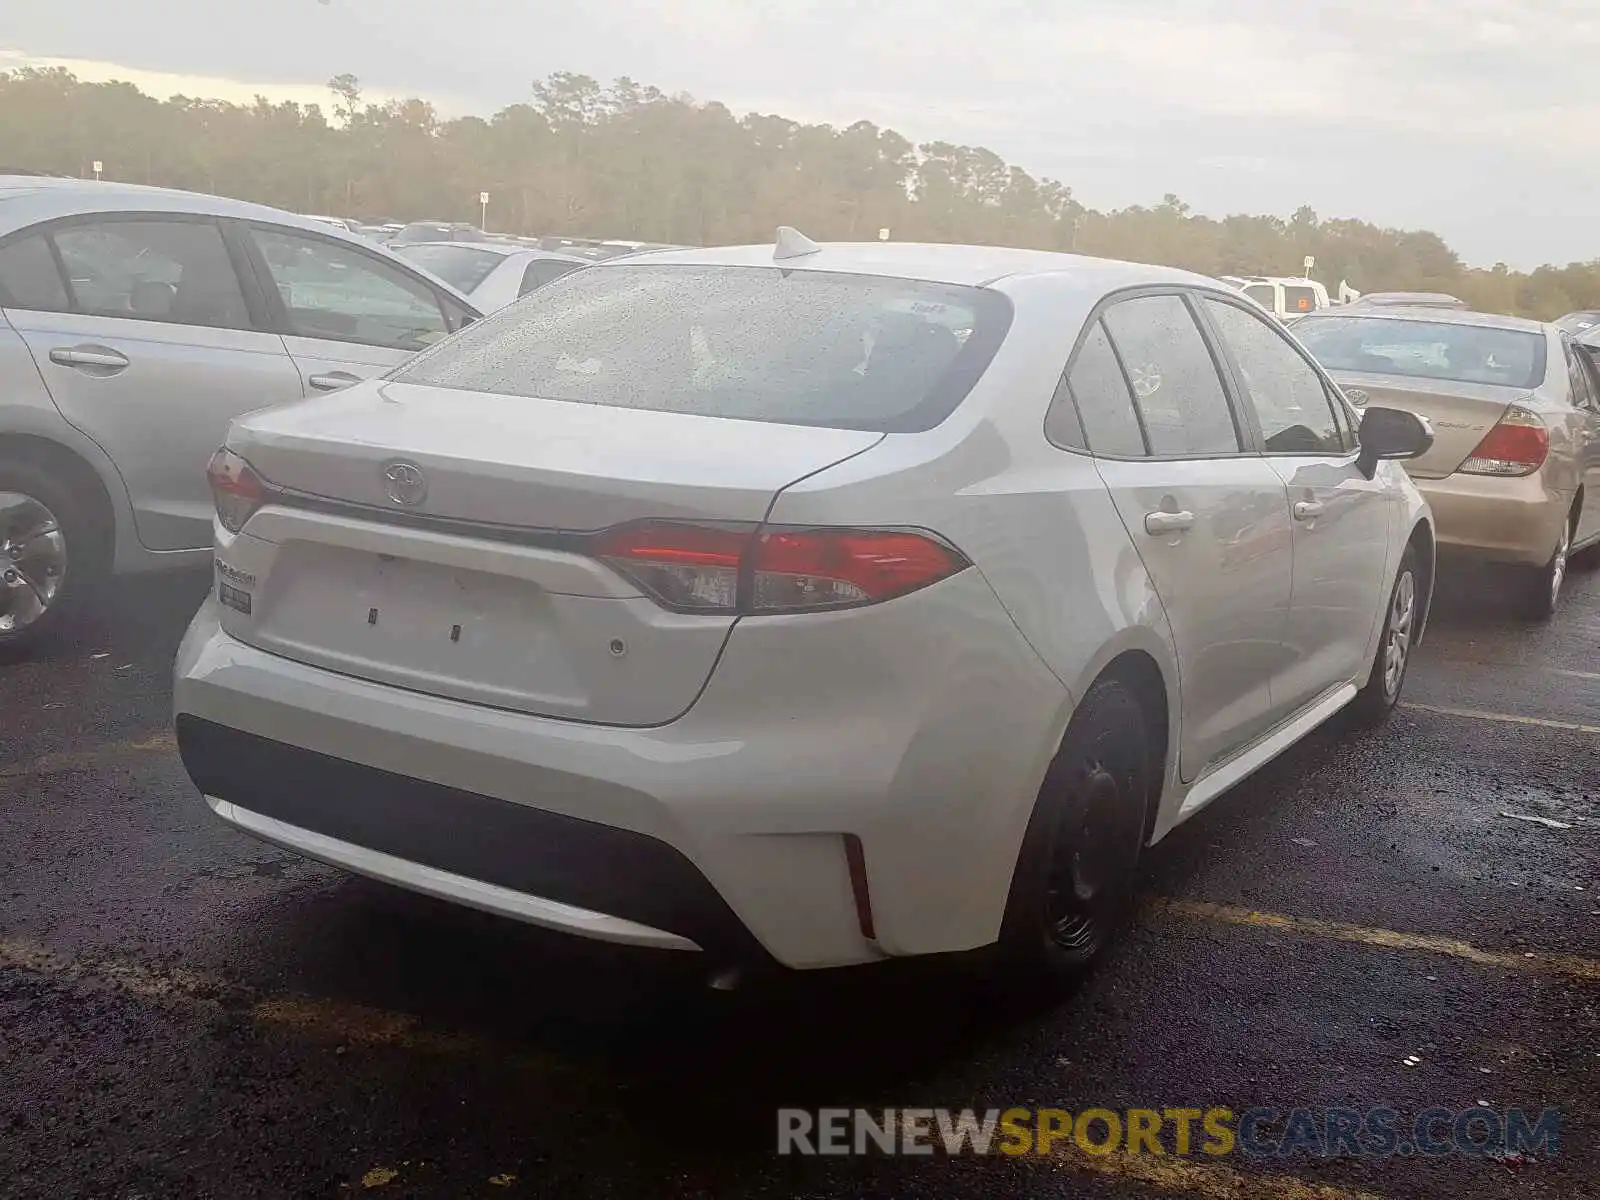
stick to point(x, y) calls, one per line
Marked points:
point(186, 1012)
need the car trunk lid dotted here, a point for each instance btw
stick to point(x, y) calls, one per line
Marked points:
point(1460, 413)
point(477, 588)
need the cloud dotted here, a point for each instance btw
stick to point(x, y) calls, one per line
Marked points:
point(1461, 116)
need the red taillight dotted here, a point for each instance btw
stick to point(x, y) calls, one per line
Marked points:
point(1517, 445)
point(702, 568)
point(236, 489)
point(821, 568)
point(691, 567)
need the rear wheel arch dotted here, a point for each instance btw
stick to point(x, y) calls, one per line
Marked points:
point(1422, 542)
point(1127, 696)
point(1142, 674)
point(87, 487)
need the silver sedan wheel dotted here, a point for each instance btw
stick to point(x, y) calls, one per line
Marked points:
point(33, 561)
point(1402, 617)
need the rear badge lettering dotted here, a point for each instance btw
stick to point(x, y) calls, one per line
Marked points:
point(234, 598)
point(235, 576)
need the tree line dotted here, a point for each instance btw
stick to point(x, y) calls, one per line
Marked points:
point(629, 161)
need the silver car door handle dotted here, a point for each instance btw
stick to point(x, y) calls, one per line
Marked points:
point(1162, 521)
point(333, 381)
point(1307, 510)
point(69, 357)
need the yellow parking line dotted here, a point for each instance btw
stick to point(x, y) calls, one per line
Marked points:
point(85, 760)
point(1503, 718)
point(334, 1021)
point(1206, 1179)
point(1389, 939)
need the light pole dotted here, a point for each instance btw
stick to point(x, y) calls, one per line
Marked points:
point(483, 207)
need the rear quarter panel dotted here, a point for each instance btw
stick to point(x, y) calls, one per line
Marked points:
point(1036, 520)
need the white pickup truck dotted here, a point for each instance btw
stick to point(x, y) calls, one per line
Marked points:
point(1289, 297)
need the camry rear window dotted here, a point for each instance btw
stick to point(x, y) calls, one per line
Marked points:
point(1426, 350)
point(462, 267)
point(753, 343)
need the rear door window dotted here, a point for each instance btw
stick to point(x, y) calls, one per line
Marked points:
point(1581, 378)
point(753, 343)
point(1173, 377)
point(152, 270)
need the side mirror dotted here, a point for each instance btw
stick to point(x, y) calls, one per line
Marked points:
point(1391, 433)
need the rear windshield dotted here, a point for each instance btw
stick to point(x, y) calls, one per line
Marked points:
point(1579, 322)
point(462, 267)
point(1426, 350)
point(752, 343)
point(1264, 295)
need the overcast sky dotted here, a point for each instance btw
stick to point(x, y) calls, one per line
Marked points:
point(1479, 119)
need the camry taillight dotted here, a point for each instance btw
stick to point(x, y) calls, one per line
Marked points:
point(1517, 445)
point(236, 489)
point(774, 569)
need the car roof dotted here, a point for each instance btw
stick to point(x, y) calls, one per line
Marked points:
point(1412, 299)
point(27, 199)
point(503, 248)
point(1435, 316)
point(975, 266)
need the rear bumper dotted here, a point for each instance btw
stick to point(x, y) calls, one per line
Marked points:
point(1498, 520)
point(550, 870)
point(723, 831)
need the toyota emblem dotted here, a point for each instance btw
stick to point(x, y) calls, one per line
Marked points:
point(404, 483)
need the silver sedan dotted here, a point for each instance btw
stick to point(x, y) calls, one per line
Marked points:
point(493, 274)
point(135, 324)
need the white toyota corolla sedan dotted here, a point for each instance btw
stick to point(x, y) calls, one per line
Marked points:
point(801, 604)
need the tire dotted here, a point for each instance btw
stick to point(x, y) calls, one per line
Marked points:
point(1402, 619)
point(54, 552)
point(1541, 588)
point(1079, 861)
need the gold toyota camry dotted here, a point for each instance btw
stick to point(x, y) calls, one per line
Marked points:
point(1513, 476)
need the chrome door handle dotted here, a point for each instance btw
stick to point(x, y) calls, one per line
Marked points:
point(1162, 521)
point(68, 356)
point(1308, 510)
point(333, 381)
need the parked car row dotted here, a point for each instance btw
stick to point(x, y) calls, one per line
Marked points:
point(795, 603)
